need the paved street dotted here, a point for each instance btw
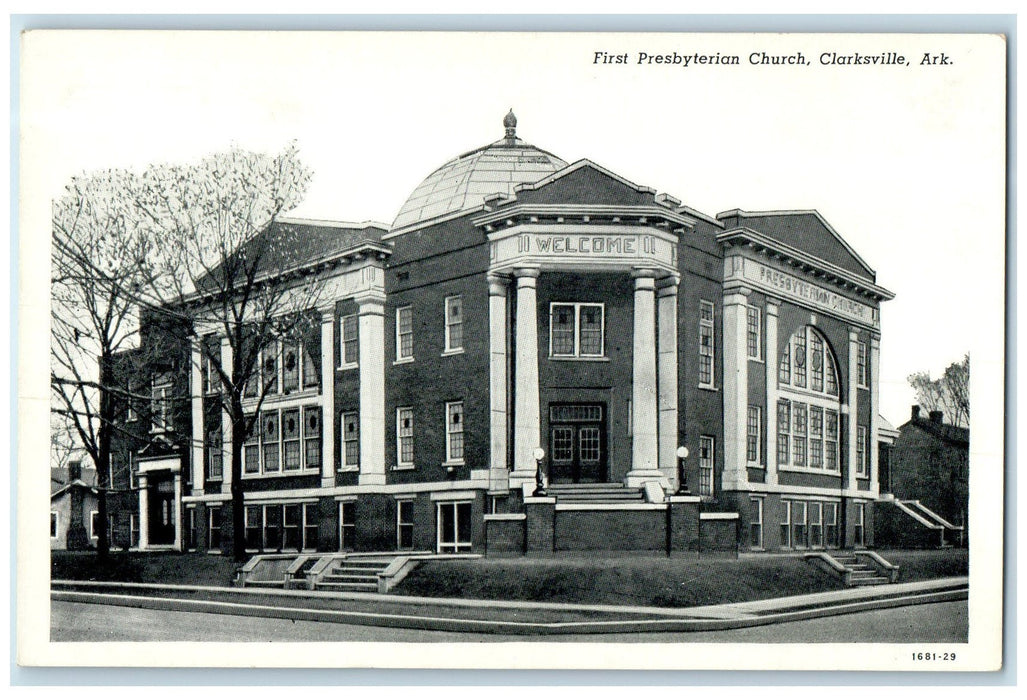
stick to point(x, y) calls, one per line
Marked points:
point(939, 622)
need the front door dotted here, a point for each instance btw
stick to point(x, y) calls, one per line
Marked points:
point(577, 443)
point(161, 501)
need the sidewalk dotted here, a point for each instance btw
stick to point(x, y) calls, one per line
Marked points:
point(506, 617)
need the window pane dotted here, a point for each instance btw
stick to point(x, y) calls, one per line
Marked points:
point(291, 367)
point(590, 333)
point(752, 331)
point(350, 341)
point(563, 329)
point(563, 443)
point(588, 444)
point(454, 323)
point(784, 371)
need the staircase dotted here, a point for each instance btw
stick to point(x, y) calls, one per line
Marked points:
point(595, 493)
point(354, 575)
point(856, 568)
point(859, 573)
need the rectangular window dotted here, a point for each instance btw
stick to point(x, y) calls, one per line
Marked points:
point(862, 365)
point(816, 346)
point(215, 462)
point(756, 523)
point(54, 520)
point(786, 524)
point(312, 437)
point(310, 521)
point(291, 364)
point(310, 373)
point(799, 418)
point(706, 343)
point(94, 524)
point(214, 528)
point(292, 526)
point(753, 421)
point(454, 527)
point(291, 440)
point(251, 450)
point(454, 323)
point(405, 436)
point(859, 527)
point(350, 441)
point(160, 403)
point(831, 440)
point(831, 524)
point(576, 330)
point(753, 335)
point(404, 333)
point(455, 431)
point(269, 441)
point(784, 423)
point(347, 525)
point(405, 524)
point(799, 524)
point(133, 530)
point(706, 465)
point(862, 464)
point(269, 368)
point(349, 340)
point(816, 525)
point(273, 527)
point(816, 437)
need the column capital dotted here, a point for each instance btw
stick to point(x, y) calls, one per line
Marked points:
point(853, 334)
point(737, 295)
point(526, 273)
point(772, 306)
point(370, 301)
point(498, 284)
point(668, 286)
point(875, 339)
point(644, 273)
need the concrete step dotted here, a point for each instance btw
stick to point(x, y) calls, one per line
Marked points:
point(351, 587)
point(875, 581)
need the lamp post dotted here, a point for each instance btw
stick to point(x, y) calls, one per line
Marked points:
point(682, 480)
point(540, 489)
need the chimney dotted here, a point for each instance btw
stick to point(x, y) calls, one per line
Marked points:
point(936, 417)
point(74, 471)
point(916, 412)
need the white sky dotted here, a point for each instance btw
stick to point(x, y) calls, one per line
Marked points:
point(905, 162)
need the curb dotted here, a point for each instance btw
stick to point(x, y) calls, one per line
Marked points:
point(449, 624)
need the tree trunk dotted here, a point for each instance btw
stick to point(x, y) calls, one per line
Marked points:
point(238, 506)
point(103, 456)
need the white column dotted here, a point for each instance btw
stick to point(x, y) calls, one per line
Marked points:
point(527, 414)
point(875, 408)
point(667, 368)
point(328, 396)
point(770, 355)
point(372, 386)
point(853, 392)
point(226, 425)
point(736, 389)
point(177, 511)
point(498, 475)
point(199, 436)
point(644, 415)
point(144, 511)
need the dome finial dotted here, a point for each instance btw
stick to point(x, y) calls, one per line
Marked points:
point(510, 122)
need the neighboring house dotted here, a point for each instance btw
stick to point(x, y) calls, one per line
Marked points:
point(930, 463)
point(73, 507)
point(519, 303)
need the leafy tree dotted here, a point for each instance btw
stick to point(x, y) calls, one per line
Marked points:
point(234, 275)
point(100, 258)
point(949, 393)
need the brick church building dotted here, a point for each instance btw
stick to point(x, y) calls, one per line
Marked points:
point(664, 372)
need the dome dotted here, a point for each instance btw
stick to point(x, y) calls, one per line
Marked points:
point(464, 182)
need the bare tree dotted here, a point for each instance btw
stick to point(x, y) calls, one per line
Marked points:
point(100, 258)
point(949, 393)
point(236, 278)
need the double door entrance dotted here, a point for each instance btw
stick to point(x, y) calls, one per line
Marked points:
point(161, 505)
point(577, 443)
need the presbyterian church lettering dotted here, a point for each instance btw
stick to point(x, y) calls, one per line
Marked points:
point(798, 289)
point(588, 245)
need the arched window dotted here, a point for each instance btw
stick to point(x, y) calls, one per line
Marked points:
point(808, 411)
point(807, 363)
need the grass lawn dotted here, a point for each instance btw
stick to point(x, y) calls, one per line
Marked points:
point(616, 581)
point(187, 568)
point(652, 581)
